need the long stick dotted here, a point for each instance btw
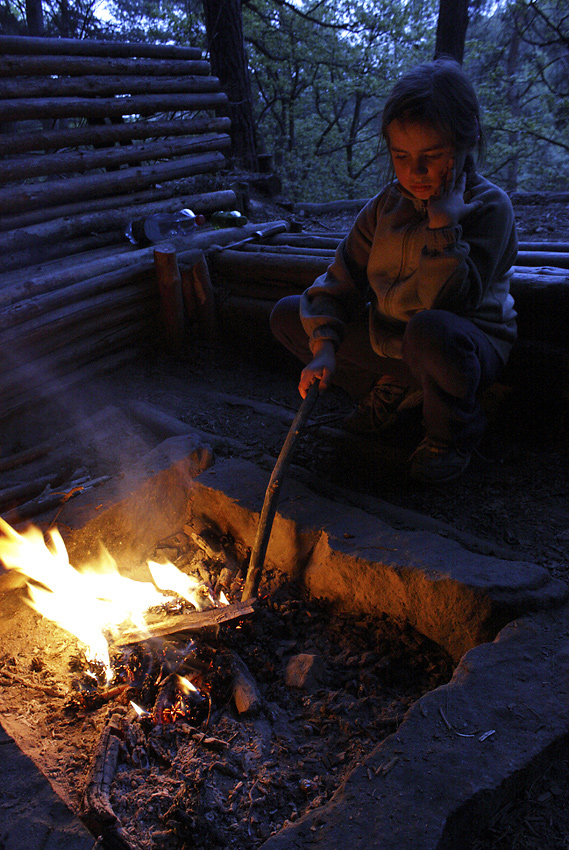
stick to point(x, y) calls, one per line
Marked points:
point(271, 496)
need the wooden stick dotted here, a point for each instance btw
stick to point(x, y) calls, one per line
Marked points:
point(271, 497)
point(192, 622)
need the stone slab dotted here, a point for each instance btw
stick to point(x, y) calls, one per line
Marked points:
point(461, 752)
point(454, 596)
point(32, 815)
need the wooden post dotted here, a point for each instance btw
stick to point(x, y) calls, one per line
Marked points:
point(170, 290)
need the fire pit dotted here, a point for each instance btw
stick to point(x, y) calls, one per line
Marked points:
point(304, 708)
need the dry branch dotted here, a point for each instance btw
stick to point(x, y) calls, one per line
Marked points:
point(192, 622)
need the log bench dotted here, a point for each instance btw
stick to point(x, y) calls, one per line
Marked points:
point(254, 277)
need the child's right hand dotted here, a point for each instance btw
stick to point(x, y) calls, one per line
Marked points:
point(321, 368)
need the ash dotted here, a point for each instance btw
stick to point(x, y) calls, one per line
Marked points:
point(237, 779)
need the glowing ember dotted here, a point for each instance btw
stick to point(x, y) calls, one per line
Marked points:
point(96, 602)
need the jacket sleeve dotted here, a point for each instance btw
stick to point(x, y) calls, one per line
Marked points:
point(340, 294)
point(458, 264)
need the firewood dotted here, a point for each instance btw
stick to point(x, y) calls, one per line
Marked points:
point(20, 492)
point(191, 622)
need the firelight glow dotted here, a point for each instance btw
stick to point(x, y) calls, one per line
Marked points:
point(91, 603)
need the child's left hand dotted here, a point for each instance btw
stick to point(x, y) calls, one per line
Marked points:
point(448, 207)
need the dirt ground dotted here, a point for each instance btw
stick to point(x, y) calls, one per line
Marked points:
point(513, 495)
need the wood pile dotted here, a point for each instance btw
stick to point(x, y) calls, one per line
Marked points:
point(253, 278)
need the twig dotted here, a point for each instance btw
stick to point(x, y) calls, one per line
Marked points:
point(46, 689)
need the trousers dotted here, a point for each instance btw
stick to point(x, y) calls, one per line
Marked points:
point(444, 355)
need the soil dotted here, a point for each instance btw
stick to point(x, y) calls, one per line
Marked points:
point(514, 494)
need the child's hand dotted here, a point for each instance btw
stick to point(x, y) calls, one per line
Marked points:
point(321, 368)
point(448, 207)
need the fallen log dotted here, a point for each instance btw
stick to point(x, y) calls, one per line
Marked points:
point(191, 622)
point(45, 194)
point(109, 134)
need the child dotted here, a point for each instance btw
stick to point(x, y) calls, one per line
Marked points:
point(416, 307)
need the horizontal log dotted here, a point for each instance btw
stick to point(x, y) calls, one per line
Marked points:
point(56, 321)
point(108, 107)
point(109, 158)
point(347, 205)
point(306, 240)
point(544, 246)
point(105, 86)
point(28, 378)
point(30, 256)
point(36, 306)
point(19, 285)
point(539, 197)
point(33, 66)
point(166, 198)
point(543, 258)
point(27, 196)
point(81, 377)
point(273, 268)
point(99, 135)
point(284, 249)
point(69, 227)
point(19, 44)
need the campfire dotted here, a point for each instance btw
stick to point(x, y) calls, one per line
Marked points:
point(212, 722)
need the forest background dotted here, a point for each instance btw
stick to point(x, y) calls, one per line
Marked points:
point(317, 73)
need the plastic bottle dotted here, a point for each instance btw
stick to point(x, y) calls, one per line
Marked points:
point(160, 226)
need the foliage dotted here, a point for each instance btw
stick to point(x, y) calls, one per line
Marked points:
point(320, 70)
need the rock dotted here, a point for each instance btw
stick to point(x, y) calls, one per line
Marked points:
point(304, 672)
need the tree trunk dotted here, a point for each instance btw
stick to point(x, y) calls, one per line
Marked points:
point(224, 28)
point(34, 17)
point(451, 29)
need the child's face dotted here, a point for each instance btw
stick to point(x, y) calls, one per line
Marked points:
point(422, 157)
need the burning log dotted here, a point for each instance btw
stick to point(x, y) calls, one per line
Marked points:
point(194, 621)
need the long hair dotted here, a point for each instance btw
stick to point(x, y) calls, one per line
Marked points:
point(440, 94)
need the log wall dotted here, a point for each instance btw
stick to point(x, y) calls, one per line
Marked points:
point(93, 134)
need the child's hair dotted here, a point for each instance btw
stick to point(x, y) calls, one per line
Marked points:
point(440, 94)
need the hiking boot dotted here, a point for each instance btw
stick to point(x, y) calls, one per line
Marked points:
point(435, 462)
point(378, 410)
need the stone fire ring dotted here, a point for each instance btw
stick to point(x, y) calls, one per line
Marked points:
point(463, 749)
